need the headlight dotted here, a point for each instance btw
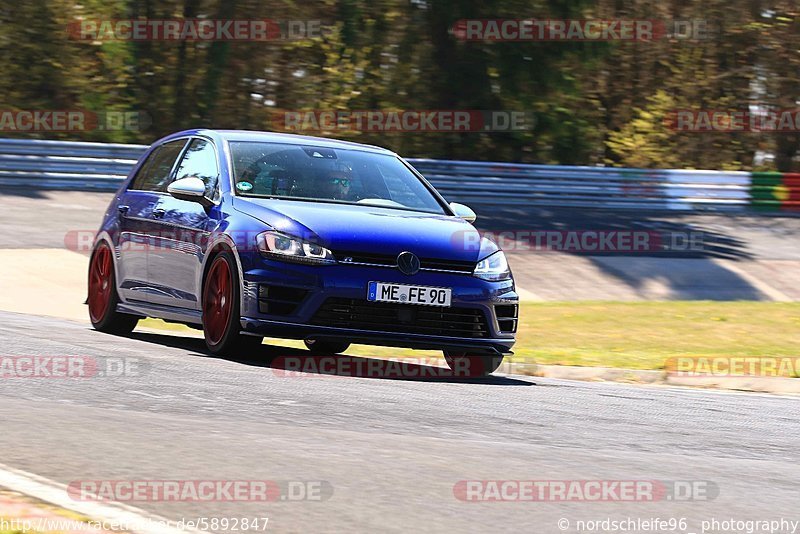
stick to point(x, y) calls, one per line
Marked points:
point(493, 268)
point(283, 247)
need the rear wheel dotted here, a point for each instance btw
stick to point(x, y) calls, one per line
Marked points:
point(472, 365)
point(103, 298)
point(326, 347)
point(221, 317)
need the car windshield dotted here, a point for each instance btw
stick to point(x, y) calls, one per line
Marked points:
point(346, 176)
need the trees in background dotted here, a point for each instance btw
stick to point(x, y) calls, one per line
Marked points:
point(594, 102)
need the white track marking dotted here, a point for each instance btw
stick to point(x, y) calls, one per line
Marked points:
point(55, 493)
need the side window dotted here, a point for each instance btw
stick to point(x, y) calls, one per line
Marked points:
point(154, 174)
point(200, 161)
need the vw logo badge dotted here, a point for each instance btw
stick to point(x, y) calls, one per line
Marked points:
point(408, 263)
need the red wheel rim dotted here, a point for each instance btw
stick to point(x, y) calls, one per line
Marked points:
point(217, 301)
point(100, 283)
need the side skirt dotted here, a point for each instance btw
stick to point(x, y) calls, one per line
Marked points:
point(160, 311)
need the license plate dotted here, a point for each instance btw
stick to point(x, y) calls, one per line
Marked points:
point(405, 294)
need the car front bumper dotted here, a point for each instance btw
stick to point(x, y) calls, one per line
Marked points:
point(348, 283)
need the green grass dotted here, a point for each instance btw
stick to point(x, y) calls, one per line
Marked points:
point(642, 335)
point(634, 335)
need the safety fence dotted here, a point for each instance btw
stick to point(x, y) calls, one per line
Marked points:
point(102, 166)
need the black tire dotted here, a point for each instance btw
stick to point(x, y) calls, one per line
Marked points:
point(472, 365)
point(102, 295)
point(317, 346)
point(226, 337)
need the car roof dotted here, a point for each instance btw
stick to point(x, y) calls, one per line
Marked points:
point(275, 137)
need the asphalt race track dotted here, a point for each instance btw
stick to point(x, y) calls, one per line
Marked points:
point(391, 449)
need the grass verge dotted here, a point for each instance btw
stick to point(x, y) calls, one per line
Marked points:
point(632, 335)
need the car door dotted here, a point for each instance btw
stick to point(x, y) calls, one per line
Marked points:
point(175, 261)
point(135, 206)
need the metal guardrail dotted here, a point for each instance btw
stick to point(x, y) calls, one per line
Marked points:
point(101, 166)
point(66, 164)
point(590, 187)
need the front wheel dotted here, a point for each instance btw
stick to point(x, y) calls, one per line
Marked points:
point(472, 365)
point(103, 298)
point(221, 317)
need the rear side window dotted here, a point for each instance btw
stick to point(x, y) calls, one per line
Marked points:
point(154, 174)
point(200, 161)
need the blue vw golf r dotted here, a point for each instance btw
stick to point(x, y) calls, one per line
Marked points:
point(252, 234)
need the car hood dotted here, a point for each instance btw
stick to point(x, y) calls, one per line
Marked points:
point(370, 229)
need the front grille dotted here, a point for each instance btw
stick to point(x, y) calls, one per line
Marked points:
point(446, 265)
point(402, 318)
point(391, 261)
point(279, 300)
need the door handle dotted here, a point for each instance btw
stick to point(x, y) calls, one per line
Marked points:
point(158, 213)
point(123, 210)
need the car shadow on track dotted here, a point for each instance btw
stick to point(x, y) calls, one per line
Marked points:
point(290, 362)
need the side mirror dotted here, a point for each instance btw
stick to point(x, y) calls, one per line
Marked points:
point(465, 212)
point(191, 189)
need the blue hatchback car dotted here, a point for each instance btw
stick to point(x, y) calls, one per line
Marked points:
point(252, 234)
